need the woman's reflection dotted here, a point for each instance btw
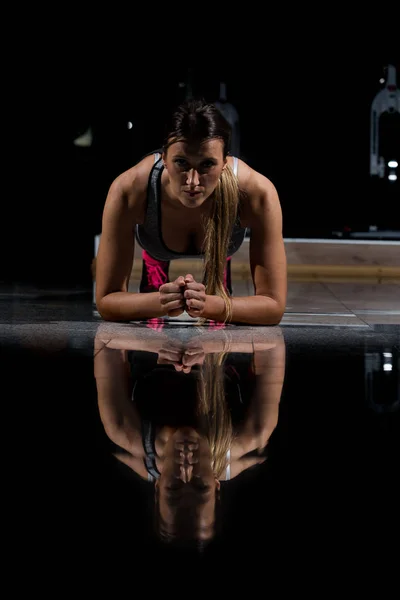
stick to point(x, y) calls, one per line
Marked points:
point(188, 415)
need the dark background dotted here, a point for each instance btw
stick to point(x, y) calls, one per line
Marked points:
point(304, 120)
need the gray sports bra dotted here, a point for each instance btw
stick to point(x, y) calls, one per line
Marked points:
point(149, 233)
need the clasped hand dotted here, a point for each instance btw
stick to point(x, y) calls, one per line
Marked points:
point(183, 294)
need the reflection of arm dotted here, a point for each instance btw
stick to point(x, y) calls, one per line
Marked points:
point(133, 462)
point(263, 411)
point(118, 415)
point(147, 340)
point(129, 338)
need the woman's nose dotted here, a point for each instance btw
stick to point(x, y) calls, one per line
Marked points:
point(192, 178)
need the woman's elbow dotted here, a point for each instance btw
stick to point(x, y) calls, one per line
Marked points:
point(274, 314)
point(103, 309)
point(272, 320)
point(278, 316)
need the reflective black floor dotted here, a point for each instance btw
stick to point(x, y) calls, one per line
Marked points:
point(246, 449)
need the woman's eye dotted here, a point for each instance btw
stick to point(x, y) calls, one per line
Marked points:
point(208, 164)
point(181, 162)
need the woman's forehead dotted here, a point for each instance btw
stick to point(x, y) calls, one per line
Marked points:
point(205, 148)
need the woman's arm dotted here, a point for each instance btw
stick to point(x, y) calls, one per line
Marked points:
point(114, 260)
point(263, 215)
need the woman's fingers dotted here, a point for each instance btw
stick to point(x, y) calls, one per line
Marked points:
point(198, 287)
point(194, 304)
point(174, 305)
point(167, 298)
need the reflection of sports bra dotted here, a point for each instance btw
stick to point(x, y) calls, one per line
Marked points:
point(149, 233)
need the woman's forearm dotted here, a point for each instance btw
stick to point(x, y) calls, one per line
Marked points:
point(127, 306)
point(250, 310)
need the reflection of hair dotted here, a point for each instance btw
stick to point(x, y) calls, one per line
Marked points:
point(197, 121)
point(215, 416)
point(216, 425)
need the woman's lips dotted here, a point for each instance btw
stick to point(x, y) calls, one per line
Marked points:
point(192, 193)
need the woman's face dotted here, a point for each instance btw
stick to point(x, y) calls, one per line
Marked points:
point(194, 170)
point(187, 487)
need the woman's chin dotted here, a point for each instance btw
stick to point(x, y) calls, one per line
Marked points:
point(192, 200)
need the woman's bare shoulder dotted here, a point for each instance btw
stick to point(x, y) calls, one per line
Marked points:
point(128, 191)
point(133, 182)
point(251, 181)
point(258, 191)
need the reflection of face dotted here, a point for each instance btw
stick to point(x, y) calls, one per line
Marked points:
point(187, 487)
point(194, 170)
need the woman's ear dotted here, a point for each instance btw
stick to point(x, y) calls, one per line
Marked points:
point(164, 158)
